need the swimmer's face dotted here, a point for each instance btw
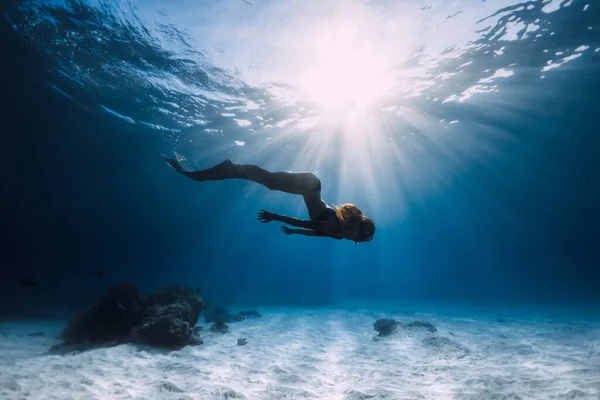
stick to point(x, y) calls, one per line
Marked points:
point(354, 233)
point(361, 230)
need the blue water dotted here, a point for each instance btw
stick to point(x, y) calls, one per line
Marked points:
point(466, 130)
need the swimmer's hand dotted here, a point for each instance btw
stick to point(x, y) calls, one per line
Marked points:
point(265, 216)
point(286, 230)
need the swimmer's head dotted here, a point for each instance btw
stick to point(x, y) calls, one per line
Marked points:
point(359, 228)
point(366, 229)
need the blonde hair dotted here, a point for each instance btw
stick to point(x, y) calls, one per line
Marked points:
point(348, 211)
point(349, 214)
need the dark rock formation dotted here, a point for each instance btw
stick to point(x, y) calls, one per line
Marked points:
point(221, 314)
point(385, 326)
point(242, 342)
point(423, 325)
point(163, 331)
point(166, 318)
point(112, 318)
point(195, 339)
point(220, 327)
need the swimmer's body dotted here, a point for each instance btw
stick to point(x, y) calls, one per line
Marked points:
point(343, 222)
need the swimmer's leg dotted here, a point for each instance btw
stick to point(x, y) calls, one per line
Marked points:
point(289, 182)
point(314, 203)
point(305, 183)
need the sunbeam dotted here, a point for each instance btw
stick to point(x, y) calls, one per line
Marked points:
point(349, 70)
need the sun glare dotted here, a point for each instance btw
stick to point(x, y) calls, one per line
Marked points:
point(348, 70)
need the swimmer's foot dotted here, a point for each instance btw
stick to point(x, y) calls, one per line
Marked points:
point(224, 170)
point(179, 163)
point(220, 171)
point(172, 163)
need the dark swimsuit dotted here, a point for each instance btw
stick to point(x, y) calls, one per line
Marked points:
point(328, 213)
point(313, 200)
point(325, 215)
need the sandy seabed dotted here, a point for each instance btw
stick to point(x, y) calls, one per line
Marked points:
point(322, 353)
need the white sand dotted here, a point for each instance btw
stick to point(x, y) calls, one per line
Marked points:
point(320, 353)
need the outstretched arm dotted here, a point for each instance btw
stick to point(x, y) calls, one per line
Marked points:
point(305, 232)
point(267, 216)
point(295, 222)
